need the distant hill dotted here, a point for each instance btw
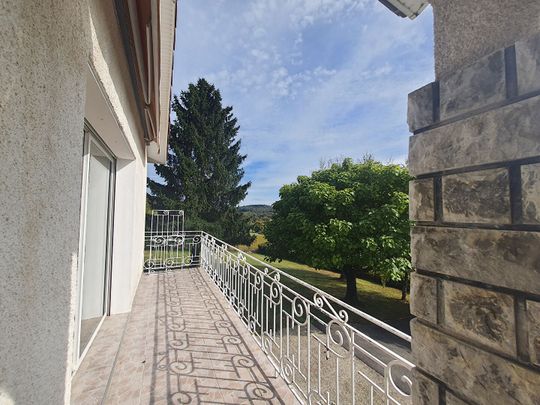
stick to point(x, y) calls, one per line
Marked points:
point(257, 215)
point(257, 209)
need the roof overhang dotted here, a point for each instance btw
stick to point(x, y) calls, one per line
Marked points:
point(157, 150)
point(406, 8)
point(148, 33)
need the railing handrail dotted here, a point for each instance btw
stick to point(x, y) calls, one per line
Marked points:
point(294, 323)
point(349, 307)
point(163, 232)
point(276, 312)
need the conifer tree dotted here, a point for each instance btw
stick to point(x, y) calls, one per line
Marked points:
point(203, 173)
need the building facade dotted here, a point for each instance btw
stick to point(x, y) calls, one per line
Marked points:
point(84, 106)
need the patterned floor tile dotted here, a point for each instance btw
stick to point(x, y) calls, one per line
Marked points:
point(183, 344)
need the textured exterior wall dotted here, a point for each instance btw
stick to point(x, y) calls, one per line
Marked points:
point(42, 111)
point(41, 126)
point(475, 153)
point(466, 30)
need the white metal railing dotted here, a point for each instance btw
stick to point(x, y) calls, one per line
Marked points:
point(167, 246)
point(170, 251)
point(320, 345)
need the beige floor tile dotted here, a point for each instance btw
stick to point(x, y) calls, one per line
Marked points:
point(182, 344)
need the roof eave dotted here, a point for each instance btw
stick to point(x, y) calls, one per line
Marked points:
point(157, 150)
point(405, 8)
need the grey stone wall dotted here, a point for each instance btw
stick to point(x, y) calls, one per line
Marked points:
point(466, 30)
point(475, 292)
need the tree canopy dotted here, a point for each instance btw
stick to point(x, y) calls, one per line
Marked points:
point(350, 217)
point(204, 171)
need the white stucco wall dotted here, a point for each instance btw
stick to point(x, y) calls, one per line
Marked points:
point(61, 62)
point(41, 124)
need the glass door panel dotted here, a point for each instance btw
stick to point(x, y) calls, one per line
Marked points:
point(96, 263)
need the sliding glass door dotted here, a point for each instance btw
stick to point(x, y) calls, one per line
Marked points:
point(94, 278)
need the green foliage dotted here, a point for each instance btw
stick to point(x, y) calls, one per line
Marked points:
point(257, 216)
point(255, 246)
point(203, 171)
point(381, 302)
point(257, 210)
point(236, 228)
point(350, 217)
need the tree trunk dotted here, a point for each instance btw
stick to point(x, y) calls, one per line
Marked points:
point(351, 296)
point(404, 285)
point(342, 276)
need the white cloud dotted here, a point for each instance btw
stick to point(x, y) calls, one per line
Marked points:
point(308, 79)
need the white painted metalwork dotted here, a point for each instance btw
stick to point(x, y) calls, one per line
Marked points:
point(167, 246)
point(320, 345)
point(326, 350)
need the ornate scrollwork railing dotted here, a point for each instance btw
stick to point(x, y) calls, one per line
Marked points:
point(323, 348)
point(170, 250)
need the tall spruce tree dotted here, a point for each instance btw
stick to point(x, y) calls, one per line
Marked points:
point(203, 171)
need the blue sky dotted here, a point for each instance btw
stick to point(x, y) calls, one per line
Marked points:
point(309, 80)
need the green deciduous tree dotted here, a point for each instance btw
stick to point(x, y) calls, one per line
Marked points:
point(203, 173)
point(350, 217)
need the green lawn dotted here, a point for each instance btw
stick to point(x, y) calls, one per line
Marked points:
point(165, 254)
point(257, 242)
point(381, 302)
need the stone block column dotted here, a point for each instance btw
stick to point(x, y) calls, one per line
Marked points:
point(475, 200)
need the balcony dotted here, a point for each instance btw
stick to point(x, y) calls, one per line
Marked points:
point(211, 324)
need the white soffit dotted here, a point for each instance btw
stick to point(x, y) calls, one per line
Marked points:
point(157, 151)
point(98, 113)
point(406, 8)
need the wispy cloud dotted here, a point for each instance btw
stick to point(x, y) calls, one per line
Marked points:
point(308, 79)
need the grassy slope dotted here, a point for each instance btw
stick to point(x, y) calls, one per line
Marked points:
point(258, 241)
point(382, 302)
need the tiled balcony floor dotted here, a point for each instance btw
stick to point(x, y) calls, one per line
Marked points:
point(182, 345)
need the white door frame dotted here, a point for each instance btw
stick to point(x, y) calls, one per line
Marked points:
point(91, 137)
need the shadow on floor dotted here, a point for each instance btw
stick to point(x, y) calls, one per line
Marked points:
point(194, 349)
